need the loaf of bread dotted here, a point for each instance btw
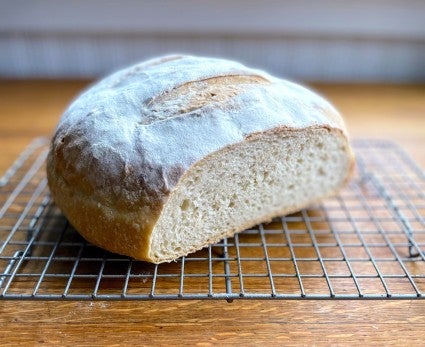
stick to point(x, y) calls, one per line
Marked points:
point(168, 156)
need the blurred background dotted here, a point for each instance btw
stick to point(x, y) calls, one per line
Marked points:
point(323, 40)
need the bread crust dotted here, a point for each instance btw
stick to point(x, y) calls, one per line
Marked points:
point(114, 162)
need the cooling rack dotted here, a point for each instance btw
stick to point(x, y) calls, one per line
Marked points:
point(365, 243)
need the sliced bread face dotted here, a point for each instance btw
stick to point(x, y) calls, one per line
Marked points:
point(271, 174)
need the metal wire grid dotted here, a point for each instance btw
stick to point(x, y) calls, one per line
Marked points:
point(367, 242)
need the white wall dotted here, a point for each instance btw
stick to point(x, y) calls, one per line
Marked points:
point(343, 40)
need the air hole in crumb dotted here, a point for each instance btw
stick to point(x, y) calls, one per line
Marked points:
point(265, 174)
point(185, 204)
point(322, 172)
point(291, 186)
point(300, 160)
point(320, 145)
point(196, 179)
point(231, 204)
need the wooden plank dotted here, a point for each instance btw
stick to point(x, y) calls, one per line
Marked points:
point(244, 323)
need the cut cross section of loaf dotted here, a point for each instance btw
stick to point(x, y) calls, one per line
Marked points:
point(168, 156)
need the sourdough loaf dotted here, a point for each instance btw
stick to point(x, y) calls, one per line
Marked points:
point(167, 156)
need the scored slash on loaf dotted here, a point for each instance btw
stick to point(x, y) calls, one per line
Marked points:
point(168, 156)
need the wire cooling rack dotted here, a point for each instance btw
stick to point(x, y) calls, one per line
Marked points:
point(366, 242)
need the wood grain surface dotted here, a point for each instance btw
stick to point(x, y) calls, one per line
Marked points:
point(32, 108)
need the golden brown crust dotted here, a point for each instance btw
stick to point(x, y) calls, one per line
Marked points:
point(119, 231)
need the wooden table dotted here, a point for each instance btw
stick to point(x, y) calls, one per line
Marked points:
point(32, 108)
